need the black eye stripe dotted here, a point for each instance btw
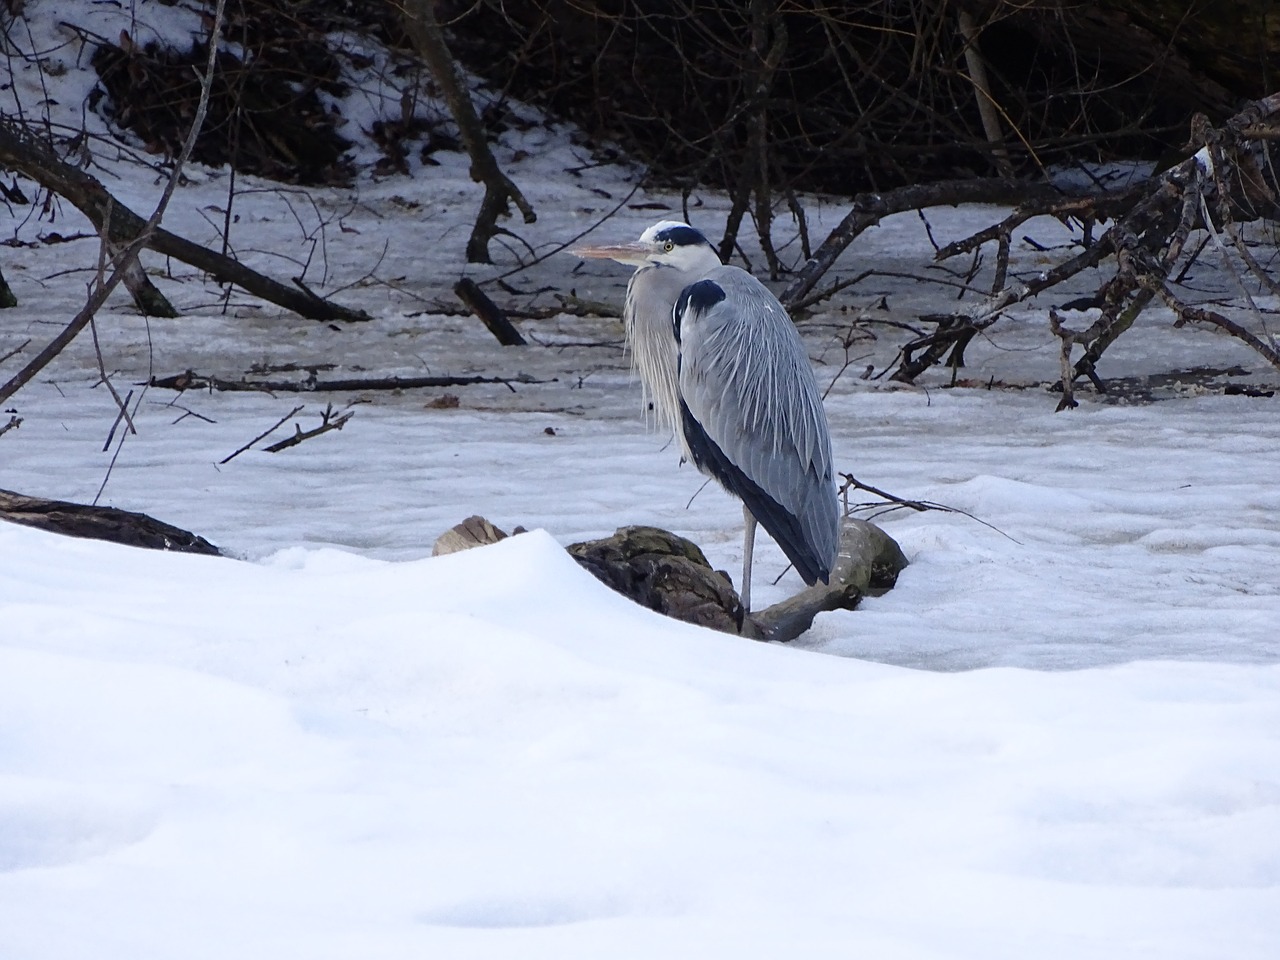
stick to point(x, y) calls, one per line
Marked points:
point(681, 236)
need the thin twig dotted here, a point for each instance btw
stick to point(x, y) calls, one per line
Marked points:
point(123, 414)
point(852, 482)
point(16, 350)
point(114, 457)
point(278, 424)
point(327, 422)
point(188, 412)
point(13, 424)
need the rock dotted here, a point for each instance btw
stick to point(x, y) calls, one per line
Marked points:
point(472, 532)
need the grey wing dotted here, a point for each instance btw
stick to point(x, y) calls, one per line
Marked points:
point(753, 416)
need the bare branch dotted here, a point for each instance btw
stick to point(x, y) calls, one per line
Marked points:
point(328, 421)
point(1190, 314)
point(868, 209)
point(265, 433)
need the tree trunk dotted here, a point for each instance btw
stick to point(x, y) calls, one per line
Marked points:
point(7, 299)
point(428, 38)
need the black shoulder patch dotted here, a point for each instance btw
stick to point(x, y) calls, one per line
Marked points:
point(682, 236)
point(779, 522)
point(699, 297)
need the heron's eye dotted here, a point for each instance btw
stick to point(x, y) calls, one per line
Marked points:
point(668, 247)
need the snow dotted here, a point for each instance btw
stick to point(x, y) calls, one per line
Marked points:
point(1058, 736)
point(343, 754)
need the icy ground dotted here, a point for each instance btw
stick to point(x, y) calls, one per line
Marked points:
point(1058, 737)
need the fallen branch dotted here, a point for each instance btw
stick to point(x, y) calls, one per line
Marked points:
point(1189, 314)
point(35, 160)
point(868, 564)
point(1090, 207)
point(1228, 179)
point(488, 312)
point(568, 304)
point(265, 433)
point(195, 381)
point(327, 422)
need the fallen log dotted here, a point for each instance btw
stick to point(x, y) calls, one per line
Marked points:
point(670, 575)
point(101, 523)
point(190, 380)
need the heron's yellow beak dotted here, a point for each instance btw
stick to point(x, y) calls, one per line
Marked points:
point(635, 253)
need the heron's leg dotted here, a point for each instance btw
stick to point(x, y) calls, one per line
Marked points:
point(748, 548)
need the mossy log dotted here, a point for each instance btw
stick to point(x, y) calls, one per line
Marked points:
point(670, 575)
point(665, 573)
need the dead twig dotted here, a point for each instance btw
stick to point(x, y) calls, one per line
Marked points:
point(13, 424)
point(899, 503)
point(328, 421)
point(265, 433)
point(16, 350)
point(1189, 314)
point(188, 412)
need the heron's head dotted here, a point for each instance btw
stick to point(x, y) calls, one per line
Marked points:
point(669, 243)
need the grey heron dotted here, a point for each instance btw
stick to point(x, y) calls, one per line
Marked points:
point(727, 373)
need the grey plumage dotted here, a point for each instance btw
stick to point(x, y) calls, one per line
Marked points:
point(746, 381)
point(651, 294)
point(726, 372)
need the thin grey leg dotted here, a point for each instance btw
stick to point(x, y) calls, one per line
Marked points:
point(748, 548)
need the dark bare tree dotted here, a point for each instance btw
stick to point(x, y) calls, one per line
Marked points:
point(499, 191)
